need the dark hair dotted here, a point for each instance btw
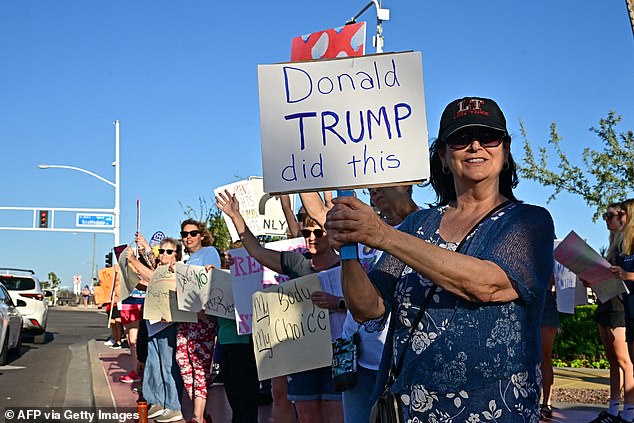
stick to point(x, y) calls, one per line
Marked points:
point(177, 244)
point(207, 237)
point(443, 184)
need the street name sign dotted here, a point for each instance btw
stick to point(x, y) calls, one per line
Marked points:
point(90, 220)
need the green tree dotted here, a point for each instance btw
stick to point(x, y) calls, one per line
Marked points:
point(52, 282)
point(606, 176)
point(212, 216)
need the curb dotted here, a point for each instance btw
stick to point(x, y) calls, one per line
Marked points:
point(102, 396)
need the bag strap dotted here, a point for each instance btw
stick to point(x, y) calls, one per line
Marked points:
point(396, 369)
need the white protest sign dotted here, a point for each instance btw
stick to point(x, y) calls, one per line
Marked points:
point(248, 201)
point(197, 288)
point(343, 123)
point(262, 212)
point(160, 299)
point(570, 291)
point(290, 333)
point(294, 244)
point(270, 209)
point(246, 278)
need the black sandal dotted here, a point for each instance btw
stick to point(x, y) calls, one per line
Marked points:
point(545, 411)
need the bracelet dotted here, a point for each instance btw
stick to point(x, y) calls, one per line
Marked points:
point(341, 305)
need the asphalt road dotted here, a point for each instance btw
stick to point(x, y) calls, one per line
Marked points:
point(55, 373)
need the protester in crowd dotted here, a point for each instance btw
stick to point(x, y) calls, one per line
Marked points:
point(549, 329)
point(195, 341)
point(476, 350)
point(237, 365)
point(131, 316)
point(85, 294)
point(162, 382)
point(312, 391)
point(116, 330)
point(394, 205)
point(610, 317)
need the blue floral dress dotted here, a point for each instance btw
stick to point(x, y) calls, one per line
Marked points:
point(469, 362)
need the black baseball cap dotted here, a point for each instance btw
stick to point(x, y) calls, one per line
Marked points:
point(471, 111)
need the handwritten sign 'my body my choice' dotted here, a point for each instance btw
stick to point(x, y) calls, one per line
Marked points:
point(290, 333)
point(343, 123)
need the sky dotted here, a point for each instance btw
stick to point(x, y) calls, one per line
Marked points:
point(181, 77)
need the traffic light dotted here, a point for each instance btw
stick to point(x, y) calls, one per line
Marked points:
point(109, 259)
point(43, 218)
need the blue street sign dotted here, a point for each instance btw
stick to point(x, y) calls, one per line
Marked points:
point(94, 220)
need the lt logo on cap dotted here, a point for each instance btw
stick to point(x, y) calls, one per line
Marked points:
point(470, 106)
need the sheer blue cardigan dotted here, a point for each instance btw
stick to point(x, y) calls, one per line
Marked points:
point(462, 345)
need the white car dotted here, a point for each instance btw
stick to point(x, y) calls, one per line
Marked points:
point(28, 296)
point(10, 326)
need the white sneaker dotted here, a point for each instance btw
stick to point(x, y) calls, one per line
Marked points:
point(109, 342)
point(169, 416)
point(155, 411)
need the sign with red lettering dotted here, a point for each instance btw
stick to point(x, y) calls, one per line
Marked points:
point(294, 244)
point(246, 278)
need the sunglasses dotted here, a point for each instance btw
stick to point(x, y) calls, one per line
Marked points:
point(193, 233)
point(608, 216)
point(168, 252)
point(465, 139)
point(318, 233)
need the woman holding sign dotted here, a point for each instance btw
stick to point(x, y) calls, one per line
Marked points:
point(466, 279)
point(610, 318)
point(195, 341)
point(162, 382)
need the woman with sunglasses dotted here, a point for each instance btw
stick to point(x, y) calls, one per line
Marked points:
point(465, 280)
point(162, 382)
point(312, 391)
point(621, 254)
point(610, 318)
point(195, 341)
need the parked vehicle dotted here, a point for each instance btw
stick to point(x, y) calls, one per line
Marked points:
point(24, 287)
point(10, 326)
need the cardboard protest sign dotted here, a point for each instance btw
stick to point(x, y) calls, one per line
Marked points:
point(106, 278)
point(570, 290)
point(345, 41)
point(290, 333)
point(574, 253)
point(197, 288)
point(294, 244)
point(262, 212)
point(160, 299)
point(130, 278)
point(246, 278)
point(343, 123)
point(330, 281)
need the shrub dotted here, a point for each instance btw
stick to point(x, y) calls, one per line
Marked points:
point(578, 343)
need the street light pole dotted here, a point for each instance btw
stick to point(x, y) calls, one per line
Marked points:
point(117, 185)
point(116, 211)
point(381, 15)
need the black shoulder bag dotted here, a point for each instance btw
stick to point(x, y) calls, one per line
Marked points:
point(387, 408)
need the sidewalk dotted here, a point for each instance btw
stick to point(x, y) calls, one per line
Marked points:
point(108, 364)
